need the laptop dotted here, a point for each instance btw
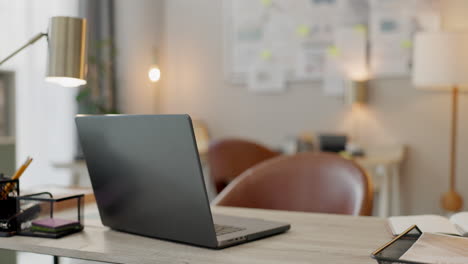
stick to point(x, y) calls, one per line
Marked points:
point(147, 179)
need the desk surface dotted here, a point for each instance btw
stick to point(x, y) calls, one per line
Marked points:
point(313, 238)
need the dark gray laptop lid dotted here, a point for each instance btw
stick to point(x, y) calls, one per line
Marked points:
point(147, 177)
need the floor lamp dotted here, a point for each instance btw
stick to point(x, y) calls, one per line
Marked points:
point(67, 48)
point(440, 62)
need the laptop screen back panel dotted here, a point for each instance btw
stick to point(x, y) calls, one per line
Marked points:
point(147, 177)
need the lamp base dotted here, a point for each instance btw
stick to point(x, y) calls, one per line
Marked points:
point(452, 201)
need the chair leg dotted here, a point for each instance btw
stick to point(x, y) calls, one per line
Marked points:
point(56, 260)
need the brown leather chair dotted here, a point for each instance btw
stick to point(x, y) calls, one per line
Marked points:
point(309, 182)
point(228, 158)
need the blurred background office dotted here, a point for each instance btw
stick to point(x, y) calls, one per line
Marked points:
point(200, 71)
point(268, 77)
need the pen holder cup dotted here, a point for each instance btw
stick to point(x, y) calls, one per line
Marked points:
point(9, 207)
point(42, 215)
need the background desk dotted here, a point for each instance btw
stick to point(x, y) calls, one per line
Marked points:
point(384, 164)
point(313, 238)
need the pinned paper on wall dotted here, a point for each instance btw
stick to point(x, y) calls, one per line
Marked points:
point(266, 77)
point(392, 26)
point(352, 13)
point(321, 18)
point(309, 64)
point(334, 79)
point(427, 14)
point(390, 30)
point(297, 34)
point(303, 30)
point(352, 46)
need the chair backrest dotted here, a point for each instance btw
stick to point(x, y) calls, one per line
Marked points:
point(308, 182)
point(228, 158)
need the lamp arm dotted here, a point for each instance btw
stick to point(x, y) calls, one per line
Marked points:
point(30, 42)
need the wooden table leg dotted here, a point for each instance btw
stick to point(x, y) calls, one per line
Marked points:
point(396, 200)
point(384, 193)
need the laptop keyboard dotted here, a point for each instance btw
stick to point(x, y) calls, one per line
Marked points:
point(223, 229)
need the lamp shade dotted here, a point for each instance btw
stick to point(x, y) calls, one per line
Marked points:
point(67, 49)
point(440, 60)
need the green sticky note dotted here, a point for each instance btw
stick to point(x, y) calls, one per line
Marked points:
point(360, 28)
point(266, 2)
point(407, 44)
point(265, 54)
point(303, 30)
point(333, 51)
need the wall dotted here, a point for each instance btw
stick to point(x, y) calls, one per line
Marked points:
point(454, 18)
point(194, 84)
point(138, 30)
point(44, 112)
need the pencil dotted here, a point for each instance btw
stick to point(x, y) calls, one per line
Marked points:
point(7, 189)
point(21, 170)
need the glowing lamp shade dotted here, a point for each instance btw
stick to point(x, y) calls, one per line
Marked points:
point(440, 60)
point(66, 81)
point(67, 49)
point(154, 73)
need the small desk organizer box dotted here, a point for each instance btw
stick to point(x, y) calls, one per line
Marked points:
point(39, 214)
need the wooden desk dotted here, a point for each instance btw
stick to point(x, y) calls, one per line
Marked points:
point(313, 238)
